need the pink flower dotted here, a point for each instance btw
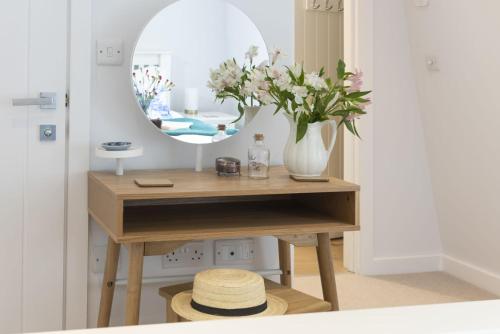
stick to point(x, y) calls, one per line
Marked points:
point(352, 117)
point(356, 81)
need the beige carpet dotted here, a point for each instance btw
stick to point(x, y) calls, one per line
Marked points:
point(359, 292)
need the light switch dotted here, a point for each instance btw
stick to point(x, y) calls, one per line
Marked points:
point(110, 52)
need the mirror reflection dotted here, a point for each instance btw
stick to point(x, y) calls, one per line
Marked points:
point(172, 63)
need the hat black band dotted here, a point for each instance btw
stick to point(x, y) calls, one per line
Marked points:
point(240, 312)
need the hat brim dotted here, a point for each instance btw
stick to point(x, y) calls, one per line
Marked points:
point(181, 304)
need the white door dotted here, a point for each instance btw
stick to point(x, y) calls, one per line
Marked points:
point(33, 59)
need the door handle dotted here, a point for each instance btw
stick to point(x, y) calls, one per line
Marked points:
point(45, 101)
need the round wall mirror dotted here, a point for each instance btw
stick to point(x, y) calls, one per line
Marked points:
point(172, 63)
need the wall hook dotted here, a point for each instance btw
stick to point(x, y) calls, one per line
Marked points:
point(341, 5)
point(328, 5)
point(316, 5)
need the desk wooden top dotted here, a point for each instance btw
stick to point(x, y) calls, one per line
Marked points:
point(188, 183)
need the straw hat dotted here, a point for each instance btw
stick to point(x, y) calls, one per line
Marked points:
point(223, 293)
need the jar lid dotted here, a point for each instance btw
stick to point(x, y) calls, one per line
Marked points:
point(259, 136)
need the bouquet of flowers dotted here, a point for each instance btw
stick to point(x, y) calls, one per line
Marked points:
point(246, 84)
point(148, 83)
point(311, 98)
point(307, 97)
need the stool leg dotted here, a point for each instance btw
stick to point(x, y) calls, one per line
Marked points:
point(326, 270)
point(108, 283)
point(171, 315)
point(285, 263)
point(134, 285)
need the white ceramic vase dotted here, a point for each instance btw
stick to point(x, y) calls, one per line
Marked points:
point(309, 157)
point(250, 113)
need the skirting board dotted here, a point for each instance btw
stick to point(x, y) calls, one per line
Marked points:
point(405, 265)
point(477, 276)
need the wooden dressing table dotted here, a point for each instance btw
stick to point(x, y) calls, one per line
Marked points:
point(201, 206)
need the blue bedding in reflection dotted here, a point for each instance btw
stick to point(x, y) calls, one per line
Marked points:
point(199, 128)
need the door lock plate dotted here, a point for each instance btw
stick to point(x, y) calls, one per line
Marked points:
point(48, 132)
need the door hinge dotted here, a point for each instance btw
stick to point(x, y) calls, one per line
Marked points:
point(67, 100)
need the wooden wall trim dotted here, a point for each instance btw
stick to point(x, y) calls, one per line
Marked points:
point(319, 42)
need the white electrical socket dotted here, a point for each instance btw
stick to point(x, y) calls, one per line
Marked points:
point(110, 52)
point(234, 252)
point(189, 255)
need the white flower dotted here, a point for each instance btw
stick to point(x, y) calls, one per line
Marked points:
point(315, 81)
point(296, 70)
point(249, 88)
point(283, 82)
point(264, 97)
point(252, 52)
point(301, 110)
point(280, 77)
point(276, 72)
point(258, 79)
point(215, 83)
point(300, 93)
point(227, 75)
point(263, 65)
point(276, 55)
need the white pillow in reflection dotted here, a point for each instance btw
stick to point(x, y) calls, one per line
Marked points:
point(172, 126)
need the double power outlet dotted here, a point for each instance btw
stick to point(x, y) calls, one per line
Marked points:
point(226, 253)
point(196, 254)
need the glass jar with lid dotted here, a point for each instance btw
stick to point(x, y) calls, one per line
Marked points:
point(259, 159)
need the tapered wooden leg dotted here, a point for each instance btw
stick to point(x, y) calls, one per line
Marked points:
point(326, 270)
point(134, 285)
point(171, 316)
point(285, 263)
point(108, 283)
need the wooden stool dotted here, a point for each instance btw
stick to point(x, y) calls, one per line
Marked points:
point(298, 302)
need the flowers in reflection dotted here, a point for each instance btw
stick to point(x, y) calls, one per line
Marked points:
point(247, 84)
point(149, 84)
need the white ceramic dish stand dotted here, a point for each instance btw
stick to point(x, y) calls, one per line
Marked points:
point(133, 152)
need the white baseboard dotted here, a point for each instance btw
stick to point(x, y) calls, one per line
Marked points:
point(405, 264)
point(470, 273)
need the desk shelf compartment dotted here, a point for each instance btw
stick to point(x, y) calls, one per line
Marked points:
point(228, 217)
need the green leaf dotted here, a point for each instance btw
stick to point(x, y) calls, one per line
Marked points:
point(302, 78)
point(357, 95)
point(302, 126)
point(350, 127)
point(341, 69)
point(242, 113)
point(290, 73)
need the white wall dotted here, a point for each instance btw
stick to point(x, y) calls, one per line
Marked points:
point(461, 114)
point(115, 116)
point(397, 199)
